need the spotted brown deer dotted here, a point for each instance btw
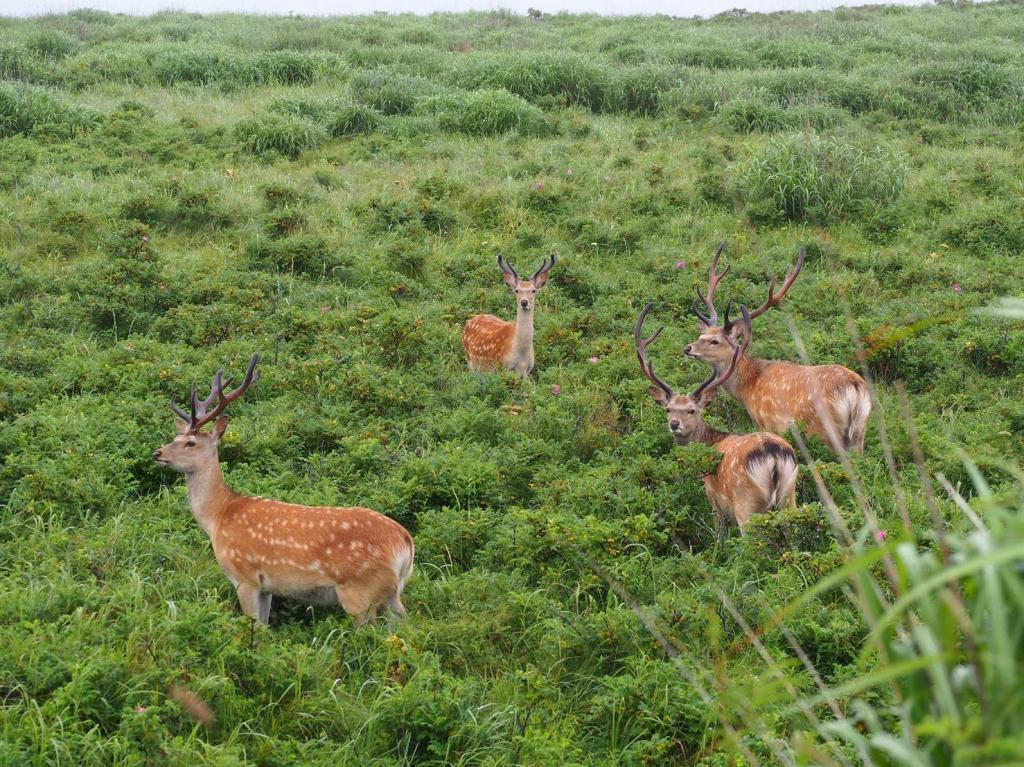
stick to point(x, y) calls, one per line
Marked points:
point(350, 556)
point(831, 401)
point(490, 341)
point(757, 472)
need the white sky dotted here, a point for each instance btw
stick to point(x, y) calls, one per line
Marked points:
point(344, 7)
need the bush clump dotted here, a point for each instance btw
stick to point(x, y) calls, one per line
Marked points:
point(754, 117)
point(337, 117)
point(27, 109)
point(489, 112)
point(52, 44)
point(806, 177)
point(391, 93)
point(570, 79)
point(18, 63)
point(278, 133)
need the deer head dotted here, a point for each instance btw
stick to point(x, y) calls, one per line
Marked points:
point(685, 411)
point(716, 343)
point(526, 290)
point(193, 448)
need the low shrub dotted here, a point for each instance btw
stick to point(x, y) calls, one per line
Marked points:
point(18, 63)
point(52, 44)
point(278, 133)
point(754, 117)
point(489, 112)
point(27, 109)
point(569, 78)
point(391, 93)
point(351, 119)
point(805, 177)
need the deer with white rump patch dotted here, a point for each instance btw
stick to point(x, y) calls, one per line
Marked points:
point(350, 556)
point(757, 472)
point(832, 401)
point(490, 341)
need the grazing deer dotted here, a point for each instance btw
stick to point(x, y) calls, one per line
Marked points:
point(757, 472)
point(489, 340)
point(321, 555)
point(832, 401)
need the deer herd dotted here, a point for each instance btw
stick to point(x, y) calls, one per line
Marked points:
point(361, 560)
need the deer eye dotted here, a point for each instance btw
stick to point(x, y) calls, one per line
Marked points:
point(713, 342)
point(691, 411)
point(190, 443)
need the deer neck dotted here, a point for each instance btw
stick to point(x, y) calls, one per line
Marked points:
point(208, 495)
point(706, 434)
point(747, 371)
point(522, 342)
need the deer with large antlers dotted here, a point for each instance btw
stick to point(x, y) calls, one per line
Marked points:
point(490, 341)
point(350, 556)
point(757, 472)
point(832, 401)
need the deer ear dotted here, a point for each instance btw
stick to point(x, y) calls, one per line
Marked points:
point(540, 280)
point(706, 398)
point(659, 396)
point(219, 427)
point(510, 280)
point(180, 425)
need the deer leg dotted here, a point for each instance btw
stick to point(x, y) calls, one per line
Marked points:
point(355, 604)
point(254, 602)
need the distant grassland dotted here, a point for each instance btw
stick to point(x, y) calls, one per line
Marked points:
point(179, 191)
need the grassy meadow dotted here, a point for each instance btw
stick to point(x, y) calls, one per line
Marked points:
point(179, 191)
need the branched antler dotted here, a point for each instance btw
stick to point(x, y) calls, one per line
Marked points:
point(713, 279)
point(641, 351)
point(200, 413)
point(774, 298)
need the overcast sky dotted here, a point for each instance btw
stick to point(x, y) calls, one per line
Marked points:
point(336, 7)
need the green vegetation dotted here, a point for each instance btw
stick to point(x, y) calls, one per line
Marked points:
point(177, 192)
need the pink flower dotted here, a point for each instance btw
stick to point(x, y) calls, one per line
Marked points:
point(956, 287)
point(324, 309)
point(141, 709)
point(145, 238)
point(556, 390)
point(680, 264)
point(880, 536)
point(539, 186)
point(592, 360)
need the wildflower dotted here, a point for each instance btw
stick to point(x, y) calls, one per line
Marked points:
point(957, 288)
point(141, 709)
point(880, 536)
point(680, 264)
point(556, 390)
point(568, 171)
point(607, 178)
point(324, 309)
point(539, 186)
point(145, 238)
point(592, 360)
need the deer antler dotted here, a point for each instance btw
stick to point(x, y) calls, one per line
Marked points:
point(200, 414)
point(545, 267)
point(708, 387)
point(507, 268)
point(641, 351)
point(713, 279)
point(774, 298)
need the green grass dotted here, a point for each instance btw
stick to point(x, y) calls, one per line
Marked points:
point(177, 192)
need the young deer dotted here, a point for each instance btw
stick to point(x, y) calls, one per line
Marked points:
point(351, 556)
point(490, 341)
point(757, 472)
point(832, 401)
